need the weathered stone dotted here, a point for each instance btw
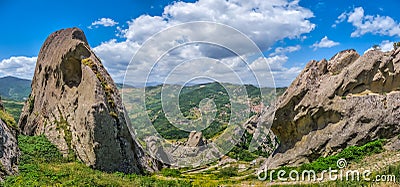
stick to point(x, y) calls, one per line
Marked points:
point(341, 60)
point(321, 113)
point(76, 104)
point(9, 151)
point(195, 139)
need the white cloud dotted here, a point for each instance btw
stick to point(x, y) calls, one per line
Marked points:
point(342, 17)
point(324, 43)
point(284, 50)
point(375, 24)
point(384, 46)
point(105, 22)
point(283, 76)
point(232, 70)
point(18, 66)
point(265, 22)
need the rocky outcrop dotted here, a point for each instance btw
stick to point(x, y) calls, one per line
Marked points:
point(9, 151)
point(76, 104)
point(348, 100)
point(195, 139)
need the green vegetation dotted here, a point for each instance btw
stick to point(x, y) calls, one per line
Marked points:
point(392, 170)
point(106, 87)
point(37, 149)
point(389, 172)
point(241, 150)
point(167, 172)
point(13, 88)
point(376, 47)
point(31, 103)
point(228, 172)
point(396, 45)
point(14, 108)
point(8, 119)
point(63, 124)
point(189, 99)
point(41, 164)
point(350, 154)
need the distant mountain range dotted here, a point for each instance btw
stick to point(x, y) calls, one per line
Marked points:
point(14, 88)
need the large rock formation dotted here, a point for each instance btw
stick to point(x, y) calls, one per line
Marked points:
point(76, 104)
point(348, 100)
point(9, 151)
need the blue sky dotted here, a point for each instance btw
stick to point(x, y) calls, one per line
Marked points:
point(290, 33)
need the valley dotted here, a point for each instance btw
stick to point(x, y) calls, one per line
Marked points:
point(77, 127)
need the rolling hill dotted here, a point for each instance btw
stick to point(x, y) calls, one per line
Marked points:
point(13, 88)
point(189, 99)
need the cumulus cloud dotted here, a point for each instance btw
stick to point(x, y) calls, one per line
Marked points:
point(384, 46)
point(283, 76)
point(18, 66)
point(324, 43)
point(105, 22)
point(265, 22)
point(375, 24)
point(284, 50)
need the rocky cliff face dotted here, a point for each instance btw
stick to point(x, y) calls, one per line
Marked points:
point(348, 100)
point(9, 151)
point(76, 104)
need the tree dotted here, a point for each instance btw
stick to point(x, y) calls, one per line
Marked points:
point(396, 45)
point(376, 47)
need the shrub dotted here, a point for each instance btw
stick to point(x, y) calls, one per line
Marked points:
point(8, 119)
point(168, 172)
point(228, 172)
point(351, 153)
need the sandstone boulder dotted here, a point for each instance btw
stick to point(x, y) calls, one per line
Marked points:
point(75, 103)
point(348, 100)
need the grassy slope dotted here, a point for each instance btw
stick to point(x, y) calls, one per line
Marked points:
point(41, 164)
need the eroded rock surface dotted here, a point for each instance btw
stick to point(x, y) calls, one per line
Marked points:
point(76, 104)
point(195, 139)
point(348, 100)
point(9, 151)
